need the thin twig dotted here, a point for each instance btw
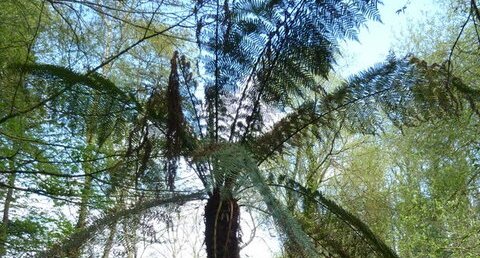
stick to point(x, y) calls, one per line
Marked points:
point(475, 9)
point(117, 55)
point(449, 61)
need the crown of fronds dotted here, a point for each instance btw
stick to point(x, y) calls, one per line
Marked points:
point(273, 50)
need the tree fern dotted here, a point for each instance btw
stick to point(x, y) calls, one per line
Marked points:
point(253, 55)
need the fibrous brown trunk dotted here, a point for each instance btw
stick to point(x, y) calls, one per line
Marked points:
point(222, 226)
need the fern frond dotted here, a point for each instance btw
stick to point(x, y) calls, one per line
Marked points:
point(399, 90)
point(77, 239)
point(71, 78)
point(285, 221)
point(234, 167)
point(357, 225)
point(90, 97)
point(275, 50)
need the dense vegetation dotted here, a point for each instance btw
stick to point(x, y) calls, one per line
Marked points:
point(122, 120)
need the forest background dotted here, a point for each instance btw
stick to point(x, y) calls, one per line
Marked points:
point(202, 128)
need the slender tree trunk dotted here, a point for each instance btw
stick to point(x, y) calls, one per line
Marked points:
point(109, 243)
point(113, 228)
point(83, 210)
point(222, 226)
point(6, 210)
point(86, 193)
point(82, 213)
point(130, 237)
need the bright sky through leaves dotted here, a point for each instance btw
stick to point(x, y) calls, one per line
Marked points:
point(377, 39)
point(375, 42)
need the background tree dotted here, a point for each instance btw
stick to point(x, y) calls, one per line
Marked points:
point(131, 133)
point(389, 180)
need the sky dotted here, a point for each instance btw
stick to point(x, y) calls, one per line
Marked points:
point(377, 39)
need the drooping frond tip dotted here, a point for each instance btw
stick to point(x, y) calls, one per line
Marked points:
point(175, 123)
point(342, 217)
point(71, 78)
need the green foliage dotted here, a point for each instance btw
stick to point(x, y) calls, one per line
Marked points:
point(440, 172)
point(97, 140)
point(413, 188)
point(70, 79)
point(274, 50)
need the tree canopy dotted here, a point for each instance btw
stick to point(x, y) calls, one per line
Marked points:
point(117, 117)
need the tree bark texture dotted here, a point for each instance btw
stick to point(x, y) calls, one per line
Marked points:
point(222, 226)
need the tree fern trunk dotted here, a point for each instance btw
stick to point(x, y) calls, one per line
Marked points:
point(222, 226)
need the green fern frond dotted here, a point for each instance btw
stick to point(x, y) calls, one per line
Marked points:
point(79, 238)
point(398, 90)
point(357, 225)
point(285, 221)
point(276, 49)
point(90, 98)
point(71, 78)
